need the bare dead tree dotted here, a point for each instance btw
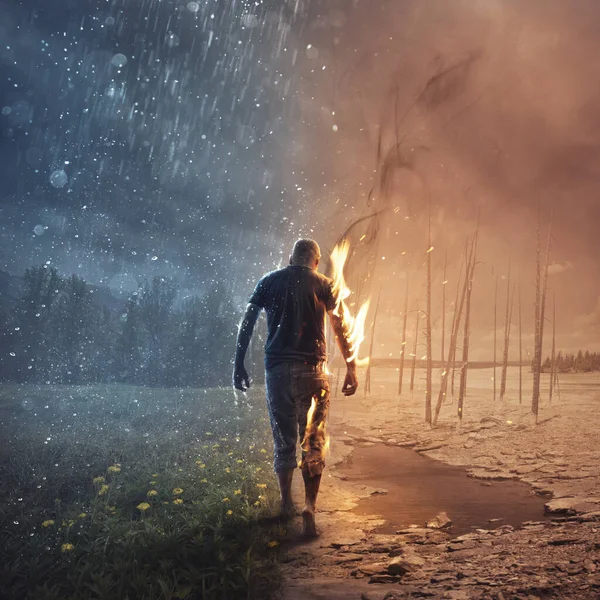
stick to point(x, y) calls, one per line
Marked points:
point(520, 348)
point(495, 329)
point(444, 282)
point(373, 325)
point(541, 312)
point(553, 357)
point(507, 324)
point(462, 389)
point(414, 358)
point(454, 317)
point(458, 310)
point(428, 378)
point(403, 351)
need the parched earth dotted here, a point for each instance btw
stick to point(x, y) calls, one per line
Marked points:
point(559, 457)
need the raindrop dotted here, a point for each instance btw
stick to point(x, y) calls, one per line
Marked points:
point(172, 40)
point(6, 110)
point(38, 229)
point(59, 178)
point(193, 7)
point(249, 21)
point(155, 258)
point(109, 21)
point(119, 60)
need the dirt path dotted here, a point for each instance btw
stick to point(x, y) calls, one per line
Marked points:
point(559, 458)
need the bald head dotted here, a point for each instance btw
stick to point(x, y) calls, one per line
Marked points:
point(306, 253)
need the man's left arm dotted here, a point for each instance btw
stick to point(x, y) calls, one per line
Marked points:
point(241, 380)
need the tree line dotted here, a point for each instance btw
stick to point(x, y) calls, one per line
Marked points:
point(582, 362)
point(56, 333)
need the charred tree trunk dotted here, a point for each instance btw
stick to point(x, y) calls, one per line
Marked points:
point(429, 375)
point(535, 399)
point(462, 389)
point(553, 359)
point(495, 334)
point(537, 368)
point(368, 373)
point(414, 360)
point(507, 325)
point(453, 336)
point(452, 356)
point(403, 352)
point(520, 349)
point(444, 282)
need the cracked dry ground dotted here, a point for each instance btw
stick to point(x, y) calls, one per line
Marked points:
point(558, 457)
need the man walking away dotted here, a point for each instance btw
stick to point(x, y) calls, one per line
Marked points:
point(296, 299)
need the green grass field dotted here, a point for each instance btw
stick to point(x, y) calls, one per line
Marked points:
point(123, 492)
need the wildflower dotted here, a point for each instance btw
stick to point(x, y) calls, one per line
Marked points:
point(226, 500)
point(227, 470)
point(177, 491)
point(114, 468)
point(237, 492)
point(258, 469)
point(152, 493)
point(262, 486)
point(103, 489)
point(67, 547)
point(143, 506)
point(48, 523)
point(229, 512)
point(208, 433)
point(239, 461)
point(215, 446)
point(204, 480)
point(256, 503)
point(98, 480)
point(82, 515)
point(273, 544)
point(201, 464)
point(111, 509)
point(154, 474)
point(153, 482)
point(178, 501)
point(263, 451)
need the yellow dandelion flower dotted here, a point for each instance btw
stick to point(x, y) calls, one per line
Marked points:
point(114, 469)
point(152, 493)
point(227, 470)
point(216, 446)
point(98, 480)
point(143, 506)
point(262, 486)
point(261, 497)
point(257, 503)
point(103, 489)
point(273, 544)
point(230, 454)
point(71, 523)
point(67, 547)
point(237, 492)
point(204, 480)
point(111, 509)
point(48, 523)
point(154, 475)
point(201, 464)
point(82, 515)
point(258, 469)
point(229, 512)
point(208, 433)
point(178, 501)
point(239, 461)
point(263, 451)
point(226, 500)
point(177, 491)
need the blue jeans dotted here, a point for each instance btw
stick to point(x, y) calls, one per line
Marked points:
point(291, 387)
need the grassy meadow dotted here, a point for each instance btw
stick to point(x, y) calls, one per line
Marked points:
point(116, 491)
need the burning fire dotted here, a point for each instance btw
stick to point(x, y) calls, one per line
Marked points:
point(355, 325)
point(315, 432)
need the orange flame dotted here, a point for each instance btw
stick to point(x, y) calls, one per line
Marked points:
point(311, 429)
point(355, 324)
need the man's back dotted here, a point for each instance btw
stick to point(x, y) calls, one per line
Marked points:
point(296, 299)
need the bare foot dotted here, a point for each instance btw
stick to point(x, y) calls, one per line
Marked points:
point(309, 526)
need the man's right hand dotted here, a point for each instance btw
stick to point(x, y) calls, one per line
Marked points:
point(241, 380)
point(350, 382)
